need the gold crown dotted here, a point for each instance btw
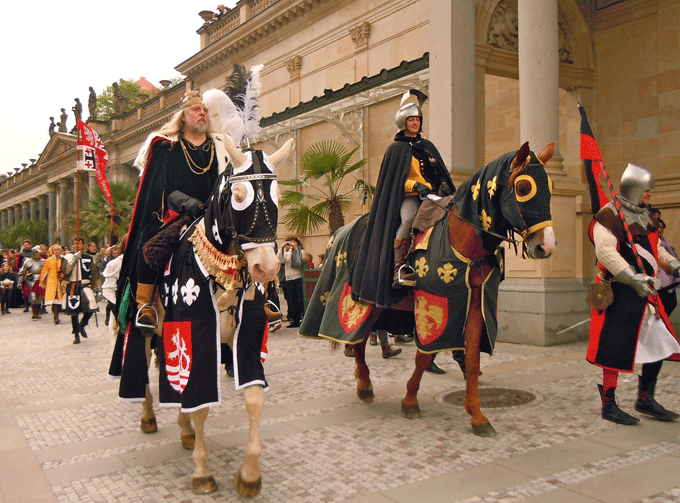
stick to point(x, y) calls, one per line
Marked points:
point(191, 98)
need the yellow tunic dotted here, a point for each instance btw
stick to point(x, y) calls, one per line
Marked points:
point(50, 280)
point(414, 176)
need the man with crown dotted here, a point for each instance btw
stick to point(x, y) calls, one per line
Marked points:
point(634, 328)
point(179, 165)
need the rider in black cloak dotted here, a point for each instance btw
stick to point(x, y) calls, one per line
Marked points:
point(411, 168)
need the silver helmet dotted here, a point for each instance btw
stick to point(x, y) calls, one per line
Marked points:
point(634, 181)
point(410, 109)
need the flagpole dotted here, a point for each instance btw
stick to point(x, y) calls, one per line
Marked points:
point(619, 210)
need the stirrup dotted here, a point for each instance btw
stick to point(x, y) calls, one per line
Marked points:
point(401, 279)
point(146, 325)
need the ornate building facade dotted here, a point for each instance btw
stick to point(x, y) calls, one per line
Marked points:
point(498, 72)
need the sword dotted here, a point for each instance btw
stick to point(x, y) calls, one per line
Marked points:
point(574, 326)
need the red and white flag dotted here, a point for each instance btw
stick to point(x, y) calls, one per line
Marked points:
point(92, 156)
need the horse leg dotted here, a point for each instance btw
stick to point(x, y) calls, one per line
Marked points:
point(187, 434)
point(203, 481)
point(409, 405)
point(148, 420)
point(473, 333)
point(248, 480)
point(361, 372)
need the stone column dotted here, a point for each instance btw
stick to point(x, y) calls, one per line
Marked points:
point(42, 214)
point(52, 212)
point(539, 77)
point(3, 219)
point(10, 217)
point(452, 84)
point(25, 209)
point(541, 297)
point(33, 216)
point(91, 183)
point(63, 209)
point(76, 188)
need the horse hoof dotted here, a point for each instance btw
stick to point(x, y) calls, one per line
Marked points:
point(484, 430)
point(247, 489)
point(149, 425)
point(188, 441)
point(411, 411)
point(204, 485)
point(365, 395)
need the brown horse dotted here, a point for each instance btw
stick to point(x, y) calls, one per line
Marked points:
point(455, 303)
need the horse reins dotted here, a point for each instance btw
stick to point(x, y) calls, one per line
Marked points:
point(504, 238)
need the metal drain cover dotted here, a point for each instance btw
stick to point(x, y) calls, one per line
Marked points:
point(490, 398)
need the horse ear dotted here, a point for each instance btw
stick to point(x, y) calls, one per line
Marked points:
point(281, 153)
point(239, 192)
point(547, 153)
point(521, 155)
point(234, 153)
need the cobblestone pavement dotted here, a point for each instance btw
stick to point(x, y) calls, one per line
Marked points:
point(66, 437)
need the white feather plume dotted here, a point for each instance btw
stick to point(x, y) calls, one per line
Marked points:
point(251, 112)
point(224, 115)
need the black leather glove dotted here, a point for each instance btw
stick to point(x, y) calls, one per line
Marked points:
point(422, 190)
point(444, 190)
point(185, 205)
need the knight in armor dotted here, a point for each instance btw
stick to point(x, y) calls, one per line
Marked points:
point(411, 169)
point(79, 297)
point(634, 329)
point(29, 275)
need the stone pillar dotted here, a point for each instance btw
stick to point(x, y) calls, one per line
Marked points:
point(91, 184)
point(539, 298)
point(452, 84)
point(539, 77)
point(52, 212)
point(3, 219)
point(25, 210)
point(76, 191)
point(63, 209)
point(10, 217)
point(42, 207)
point(33, 215)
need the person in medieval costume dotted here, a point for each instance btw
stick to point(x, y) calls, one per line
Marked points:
point(29, 275)
point(634, 329)
point(79, 297)
point(411, 169)
point(51, 279)
point(179, 165)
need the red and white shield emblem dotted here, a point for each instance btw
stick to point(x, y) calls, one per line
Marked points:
point(178, 354)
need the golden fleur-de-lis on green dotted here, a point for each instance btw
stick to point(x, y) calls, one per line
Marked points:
point(491, 185)
point(486, 220)
point(422, 267)
point(340, 258)
point(324, 298)
point(447, 273)
point(330, 242)
point(475, 190)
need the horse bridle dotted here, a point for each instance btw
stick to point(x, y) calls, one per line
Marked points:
point(257, 177)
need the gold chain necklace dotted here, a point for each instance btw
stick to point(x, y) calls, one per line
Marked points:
point(195, 168)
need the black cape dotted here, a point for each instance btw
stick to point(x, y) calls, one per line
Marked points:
point(371, 270)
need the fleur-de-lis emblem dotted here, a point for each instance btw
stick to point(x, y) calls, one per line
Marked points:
point(324, 298)
point(330, 242)
point(422, 267)
point(447, 273)
point(190, 292)
point(175, 291)
point(491, 185)
point(340, 258)
point(475, 190)
point(486, 220)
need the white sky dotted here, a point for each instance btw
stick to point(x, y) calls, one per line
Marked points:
point(53, 51)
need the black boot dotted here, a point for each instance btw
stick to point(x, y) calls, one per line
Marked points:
point(435, 369)
point(76, 329)
point(647, 405)
point(611, 411)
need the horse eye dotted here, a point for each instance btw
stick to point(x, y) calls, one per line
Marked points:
point(525, 188)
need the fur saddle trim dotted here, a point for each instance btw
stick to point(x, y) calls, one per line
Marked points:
point(158, 250)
